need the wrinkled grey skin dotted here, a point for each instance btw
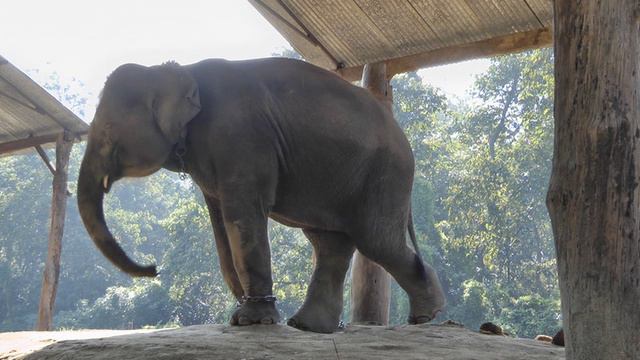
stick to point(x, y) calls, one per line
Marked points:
point(272, 138)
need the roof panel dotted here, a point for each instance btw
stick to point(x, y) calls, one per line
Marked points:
point(402, 26)
point(342, 27)
point(19, 121)
point(449, 20)
point(516, 16)
point(543, 9)
point(9, 91)
point(298, 36)
point(27, 111)
point(460, 22)
point(355, 32)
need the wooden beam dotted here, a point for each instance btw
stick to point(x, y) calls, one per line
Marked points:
point(26, 143)
point(594, 197)
point(17, 145)
point(370, 283)
point(481, 49)
point(51, 274)
point(45, 159)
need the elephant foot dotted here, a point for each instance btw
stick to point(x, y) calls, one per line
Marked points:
point(421, 319)
point(315, 321)
point(425, 313)
point(250, 313)
point(426, 307)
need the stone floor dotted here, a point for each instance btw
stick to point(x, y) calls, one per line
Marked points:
point(274, 342)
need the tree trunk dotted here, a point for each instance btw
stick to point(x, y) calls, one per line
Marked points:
point(58, 209)
point(370, 283)
point(594, 198)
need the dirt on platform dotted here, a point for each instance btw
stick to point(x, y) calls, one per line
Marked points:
point(273, 342)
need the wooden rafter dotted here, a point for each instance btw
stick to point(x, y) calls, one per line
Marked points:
point(26, 143)
point(17, 145)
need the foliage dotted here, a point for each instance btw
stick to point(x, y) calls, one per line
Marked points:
point(121, 307)
point(474, 306)
point(531, 315)
point(482, 167)
point(291, 266)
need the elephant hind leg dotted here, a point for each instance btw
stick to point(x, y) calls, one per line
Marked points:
point(323, 305)
point(418, 279)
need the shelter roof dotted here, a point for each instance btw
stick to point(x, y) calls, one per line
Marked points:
point(343, 35)
point(29, 115)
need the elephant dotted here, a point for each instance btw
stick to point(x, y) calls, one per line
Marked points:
point(263, 139)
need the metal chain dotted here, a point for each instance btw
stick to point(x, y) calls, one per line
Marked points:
point(257, 299)
point(180, 152)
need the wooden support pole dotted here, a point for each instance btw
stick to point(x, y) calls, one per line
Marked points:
point(594, 197)
point(51, 274)
point(370, 283)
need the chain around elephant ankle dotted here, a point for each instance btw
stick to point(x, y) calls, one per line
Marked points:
point(257, 299)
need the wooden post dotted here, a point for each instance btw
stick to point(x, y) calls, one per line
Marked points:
point(594, 196)
point(370, 283)
point(58, 208)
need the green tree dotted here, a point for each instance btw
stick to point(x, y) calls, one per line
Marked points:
point(497, 221)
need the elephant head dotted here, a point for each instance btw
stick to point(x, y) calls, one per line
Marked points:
point(141, 116)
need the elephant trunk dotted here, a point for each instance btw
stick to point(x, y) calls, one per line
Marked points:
point(90, 198)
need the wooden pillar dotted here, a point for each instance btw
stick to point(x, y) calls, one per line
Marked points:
point(594, 196)
point(370, 283)
point(58, 209)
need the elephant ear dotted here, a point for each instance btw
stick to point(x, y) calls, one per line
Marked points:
point(176, 100)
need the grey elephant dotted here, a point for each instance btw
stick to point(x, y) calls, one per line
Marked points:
point(270, 138)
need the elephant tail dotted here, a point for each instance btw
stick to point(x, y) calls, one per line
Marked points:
point(412, 234)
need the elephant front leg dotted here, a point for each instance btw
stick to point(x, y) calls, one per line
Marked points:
point(247, 230)
point(224, 248)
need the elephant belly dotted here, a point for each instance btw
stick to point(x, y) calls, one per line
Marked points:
point(313, 202)
point(287, 221)
point(307, 218)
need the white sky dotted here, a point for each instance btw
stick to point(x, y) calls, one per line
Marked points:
point(88, 39)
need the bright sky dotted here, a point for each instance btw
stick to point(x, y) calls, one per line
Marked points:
point(88, 39)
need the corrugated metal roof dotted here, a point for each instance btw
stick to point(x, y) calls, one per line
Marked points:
point(29, 115)
point(351, 33)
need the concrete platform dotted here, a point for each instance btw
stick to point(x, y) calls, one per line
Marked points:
point(274, 342)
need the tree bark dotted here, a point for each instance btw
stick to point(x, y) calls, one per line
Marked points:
point(370, 283)
point(594, 198)
point(56, 230)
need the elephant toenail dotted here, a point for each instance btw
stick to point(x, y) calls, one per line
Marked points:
point(243, 320)
point(266, 321)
